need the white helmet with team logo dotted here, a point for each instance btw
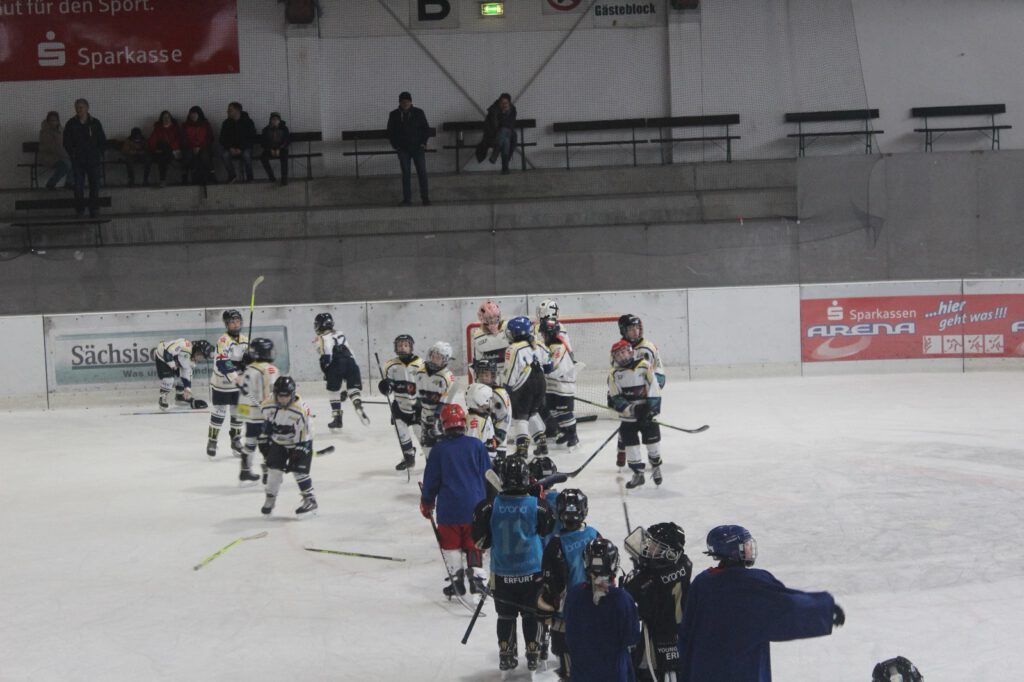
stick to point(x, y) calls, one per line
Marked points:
point(547, 308)
point(439, 355)
point(478, 397)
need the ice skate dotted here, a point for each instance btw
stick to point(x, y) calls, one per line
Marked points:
point(532, 656)
point(637, 480)
point(211, 447)
point(308, 507)
point(456, 588)
point(357, 405)
point(409, 462)
point(656, 473)
point(268, 504)
point(236, 446)
point(335, 424)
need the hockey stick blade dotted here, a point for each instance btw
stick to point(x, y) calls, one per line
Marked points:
point(699, 429)
point(355, 554)
point(228, 546)
point(325, 451)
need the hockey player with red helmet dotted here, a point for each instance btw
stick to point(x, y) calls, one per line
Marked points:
point(454, 480)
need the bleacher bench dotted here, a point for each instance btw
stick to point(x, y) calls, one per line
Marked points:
point(33, 167)
point(308, 138)
point(641, 124)
point(931, 134)
point(29, 225)
point(462, 127)
point(355, 136)
point(863, 115)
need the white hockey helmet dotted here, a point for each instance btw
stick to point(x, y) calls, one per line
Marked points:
point(439, 355)
point(547, 308)
point(478, 397)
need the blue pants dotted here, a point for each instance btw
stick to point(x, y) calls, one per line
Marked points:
point(418, 157)
point(92, 170)
point(60, 170)
point(245, 159)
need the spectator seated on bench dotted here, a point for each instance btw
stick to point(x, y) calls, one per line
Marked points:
point(166, 144)
point(863, 115)
point(991, 130)
point(491, 127)
point(274, 142)
point(51, 221)
point(357, 136)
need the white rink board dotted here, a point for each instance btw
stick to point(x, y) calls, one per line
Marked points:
point(22, 362)
point(744, 331)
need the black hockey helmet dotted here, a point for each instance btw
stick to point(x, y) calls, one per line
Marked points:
point(627, 321)
point(323, 321)
point(515, 474)
point(412, 346)
point(284, 385)
point(601, 558)
point(550, 328)
point(261, 349)
point(202, 347)
point(571, 508)
point(658, 547)
point(541, 467)
point(487, 366)
point(230, 315)
point(886, 671)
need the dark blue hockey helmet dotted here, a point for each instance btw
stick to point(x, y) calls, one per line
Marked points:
point(897, 668)
point(519, 328)
point(733, 544)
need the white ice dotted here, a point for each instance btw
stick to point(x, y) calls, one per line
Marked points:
point(900, 494)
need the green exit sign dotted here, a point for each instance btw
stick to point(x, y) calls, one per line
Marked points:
point(492, 9)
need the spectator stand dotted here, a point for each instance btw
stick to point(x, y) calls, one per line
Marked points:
point(357, 136)
point(307, 138)
point(62, 204)
point(863, 115)
point(462, 127)
point(931, 134)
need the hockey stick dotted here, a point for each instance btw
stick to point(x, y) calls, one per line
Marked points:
point(472, 622)
point(139, 414)
point(325, 451)
point(394, 422)
point(356, 554)
point(437, 537)
point(625, 509)
point(252, 302)
point(699, 429)
point(227, 547)
point(575, 473)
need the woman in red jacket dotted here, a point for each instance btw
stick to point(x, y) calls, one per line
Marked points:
point(165, 144)
point(198, 136)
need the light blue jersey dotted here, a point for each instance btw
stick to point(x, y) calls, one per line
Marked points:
point(516, 548)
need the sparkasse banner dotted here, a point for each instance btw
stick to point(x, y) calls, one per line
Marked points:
point(73, 39)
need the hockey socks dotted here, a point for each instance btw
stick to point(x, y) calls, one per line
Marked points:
point(335, 415)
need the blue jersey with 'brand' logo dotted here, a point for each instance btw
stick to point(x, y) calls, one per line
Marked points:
point(573, 544)
point(515, 546)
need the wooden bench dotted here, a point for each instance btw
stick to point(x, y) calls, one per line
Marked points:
point(57, 221)
point(864, 115)
point(355, 136)
point(33, 168)
point(630, 124)
point(461, 127)
point(719, 120)
point(931, 134)
point(308, 138)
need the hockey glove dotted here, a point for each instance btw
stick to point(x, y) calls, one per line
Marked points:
point(304, 448)
point(325, 362)
point(642, 413)
point(838, 616)
point(661, 379)
point(427, 438)
point(618, 403)
point(198, 404)
point(384, 386)
point(426, 509)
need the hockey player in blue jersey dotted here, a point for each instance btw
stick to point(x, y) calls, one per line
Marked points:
point(563, 568)
point(601, 621)
point(512, 526)
point(454, 480)
point(733, 612)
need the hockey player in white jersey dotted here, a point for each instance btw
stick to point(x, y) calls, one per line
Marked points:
point(433, 386)
point(634, 393)
point(256, 387)
point(339, 368)
point(489, 340)
point(400, 373)
point(286, 443)
point(223, 383)
point(175, 361)
point(561, 384)
point(524, 379)
point(478, 417)
point(631, 328)
point(499, 407)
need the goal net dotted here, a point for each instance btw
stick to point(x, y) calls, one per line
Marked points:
point(591, 339)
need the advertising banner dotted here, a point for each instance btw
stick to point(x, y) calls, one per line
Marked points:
point(627, 13)
point(912, 327)
point(71, 39)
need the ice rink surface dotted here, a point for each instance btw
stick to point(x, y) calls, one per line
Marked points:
point(900, 494)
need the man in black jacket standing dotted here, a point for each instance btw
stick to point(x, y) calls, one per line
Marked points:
point(85, 141)
point(408, 132)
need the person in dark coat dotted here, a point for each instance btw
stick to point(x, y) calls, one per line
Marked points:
point(408, 132)
point(197, 134)
point(733, 613)
point(134, 150)
point(275, 146)
point(499, 132)
point(51, 154)
point(237, 135)
point(165, 144)
point(85, 142)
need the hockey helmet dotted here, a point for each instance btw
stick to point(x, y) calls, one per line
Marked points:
point(519, 329)
point(550, 328)
point(733, 544)
point(261, 349)
point(478, 397)
point(404, 338)
point(515, 474)
point(489, 315)
point(542, 467)
point(202, 348)
point(601, 558)
point(322, 322)
point(439, 355)
point(547, 309)
point(486, 372)
point(453, 417)
point(659, 546)
point(571, 508)
point(628, 321)
point(896, 669)
point(230, 317)
point(284, 387)
point(622, 354)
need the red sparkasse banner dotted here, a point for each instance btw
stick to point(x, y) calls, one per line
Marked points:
point(912, 327)
point(71, 39)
